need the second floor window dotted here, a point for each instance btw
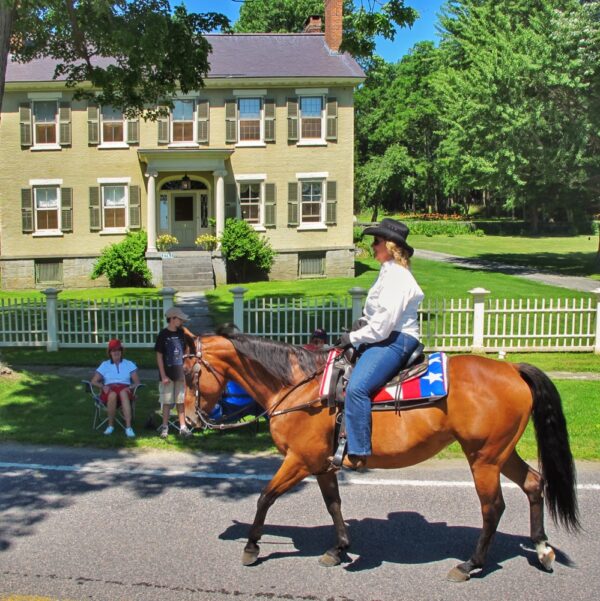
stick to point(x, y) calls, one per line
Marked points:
point(114, 205)
point(250, 202)
point(47, 208)
point(249, 115)
point(311, 117)
point(112, 125)
point(182, 121)
point(45, 118)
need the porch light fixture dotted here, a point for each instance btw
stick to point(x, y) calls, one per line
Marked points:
point(186, 182)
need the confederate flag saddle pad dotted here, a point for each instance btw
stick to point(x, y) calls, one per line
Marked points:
point(419, 385)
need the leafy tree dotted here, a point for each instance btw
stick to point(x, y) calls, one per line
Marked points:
point(520, 95)
point(363, 20)
point(124, 263)
point(247, 254)
point(153, 51)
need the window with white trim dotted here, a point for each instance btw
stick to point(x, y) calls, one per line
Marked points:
point(45, 122)
point(250, 202)
point(47, 208)
point(250, 120)
point(182, 121)
point(311, 201)
point(113, 125)
point(311, 117)
point(114, 206)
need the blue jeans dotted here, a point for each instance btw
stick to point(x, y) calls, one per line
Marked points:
point(378, 364)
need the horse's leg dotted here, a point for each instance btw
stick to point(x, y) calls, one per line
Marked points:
point(487, 484)
point(290, 472)
point(532, 484)
point(328, 484)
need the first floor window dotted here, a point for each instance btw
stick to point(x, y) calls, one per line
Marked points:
point(250, 202)
point(114, 203)
point(112, 125)
point(311, 116)
point(46, 208)
point(44, 116)
point(249, 117)
point(310, 202)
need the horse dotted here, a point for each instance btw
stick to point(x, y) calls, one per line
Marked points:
point(486, 411)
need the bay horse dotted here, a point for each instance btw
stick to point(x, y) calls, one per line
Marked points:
point(486, 411)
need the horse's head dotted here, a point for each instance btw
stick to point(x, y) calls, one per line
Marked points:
point(204, 376)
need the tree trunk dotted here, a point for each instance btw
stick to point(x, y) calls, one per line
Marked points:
point(374, 214)
point(7, 15)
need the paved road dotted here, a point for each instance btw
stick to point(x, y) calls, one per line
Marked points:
point(562, 281)
point(102, 525)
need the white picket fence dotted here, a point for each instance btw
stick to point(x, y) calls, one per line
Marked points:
point(474, 323)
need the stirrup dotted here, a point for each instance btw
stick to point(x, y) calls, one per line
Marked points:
point(336, 462)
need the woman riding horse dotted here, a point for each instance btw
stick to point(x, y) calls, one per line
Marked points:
point(486, 411)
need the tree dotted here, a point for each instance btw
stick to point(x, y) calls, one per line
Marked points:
point(520, 94)
point(363, 20)
point(138, 53)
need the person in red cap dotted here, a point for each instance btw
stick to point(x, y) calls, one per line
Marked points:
point(117, 375)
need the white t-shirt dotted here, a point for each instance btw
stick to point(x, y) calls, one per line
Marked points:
point(113, 373)
point(391, 306)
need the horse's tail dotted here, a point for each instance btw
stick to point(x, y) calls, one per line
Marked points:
point(554, 452)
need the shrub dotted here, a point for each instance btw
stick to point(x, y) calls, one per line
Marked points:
point(206, 242)
point(248, 255)
point(124, 263)
point(440, 228)
point(165, 242)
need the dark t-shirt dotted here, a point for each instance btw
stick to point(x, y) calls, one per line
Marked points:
point(171, 345)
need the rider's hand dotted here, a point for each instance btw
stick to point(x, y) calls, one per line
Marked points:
point(343, 341)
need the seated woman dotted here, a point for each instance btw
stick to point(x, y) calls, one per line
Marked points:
point(117, 376)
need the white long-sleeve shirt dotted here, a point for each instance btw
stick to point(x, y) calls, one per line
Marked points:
point(391, 306)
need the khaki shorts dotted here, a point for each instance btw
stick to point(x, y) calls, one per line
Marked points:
point(171, 393)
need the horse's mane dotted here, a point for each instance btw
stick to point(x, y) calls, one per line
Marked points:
point(274, 356)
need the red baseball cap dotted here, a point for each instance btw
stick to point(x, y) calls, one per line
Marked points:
point(114, 345)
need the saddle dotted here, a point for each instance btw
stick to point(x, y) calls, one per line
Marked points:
point(423, 381)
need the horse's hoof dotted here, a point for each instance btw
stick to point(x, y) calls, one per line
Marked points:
point(249, 557)
point(329, 560)
point(457, 575)
point(546, 556)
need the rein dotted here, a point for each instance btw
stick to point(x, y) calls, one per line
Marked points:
point(216, 425)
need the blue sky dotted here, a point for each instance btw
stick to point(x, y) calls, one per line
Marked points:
point(423, 29)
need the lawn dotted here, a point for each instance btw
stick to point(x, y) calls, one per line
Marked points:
point(47, 409)
point(573, 255)
point(84, 293)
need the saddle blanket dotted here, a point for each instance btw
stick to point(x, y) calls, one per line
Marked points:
point(430, 385)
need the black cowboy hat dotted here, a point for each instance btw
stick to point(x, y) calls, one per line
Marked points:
point(392, 230)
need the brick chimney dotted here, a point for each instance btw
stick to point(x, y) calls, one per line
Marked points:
point(313, 24)
point(333, 24)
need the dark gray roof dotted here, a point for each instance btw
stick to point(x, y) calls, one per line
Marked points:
point(240, 55)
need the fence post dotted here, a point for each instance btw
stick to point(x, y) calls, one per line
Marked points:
point(168, 295)
point(596, 291)
point(238, 307)
point(479, 295)
point(51, 318)
point(357, 295)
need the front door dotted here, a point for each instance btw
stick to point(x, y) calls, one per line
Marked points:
point(184, 219)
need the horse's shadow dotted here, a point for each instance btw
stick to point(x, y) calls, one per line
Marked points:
point(404, 538)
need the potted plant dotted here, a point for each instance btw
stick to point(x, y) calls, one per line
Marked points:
point(165, 242)
point(206, 242)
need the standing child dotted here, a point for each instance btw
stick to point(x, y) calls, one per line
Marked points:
point(170, 348)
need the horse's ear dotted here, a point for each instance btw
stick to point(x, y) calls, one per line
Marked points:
point(189, 339)
point(227, 330)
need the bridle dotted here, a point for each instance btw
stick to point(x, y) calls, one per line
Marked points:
point(196, 371)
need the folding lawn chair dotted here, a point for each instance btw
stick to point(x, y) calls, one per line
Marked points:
point(100, 410)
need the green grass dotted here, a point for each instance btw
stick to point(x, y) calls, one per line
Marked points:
point(84, 293)
point(438, 280)
point(47, 409)
point(573, 255)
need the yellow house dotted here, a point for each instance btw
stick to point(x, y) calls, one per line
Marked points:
point(269, 140)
